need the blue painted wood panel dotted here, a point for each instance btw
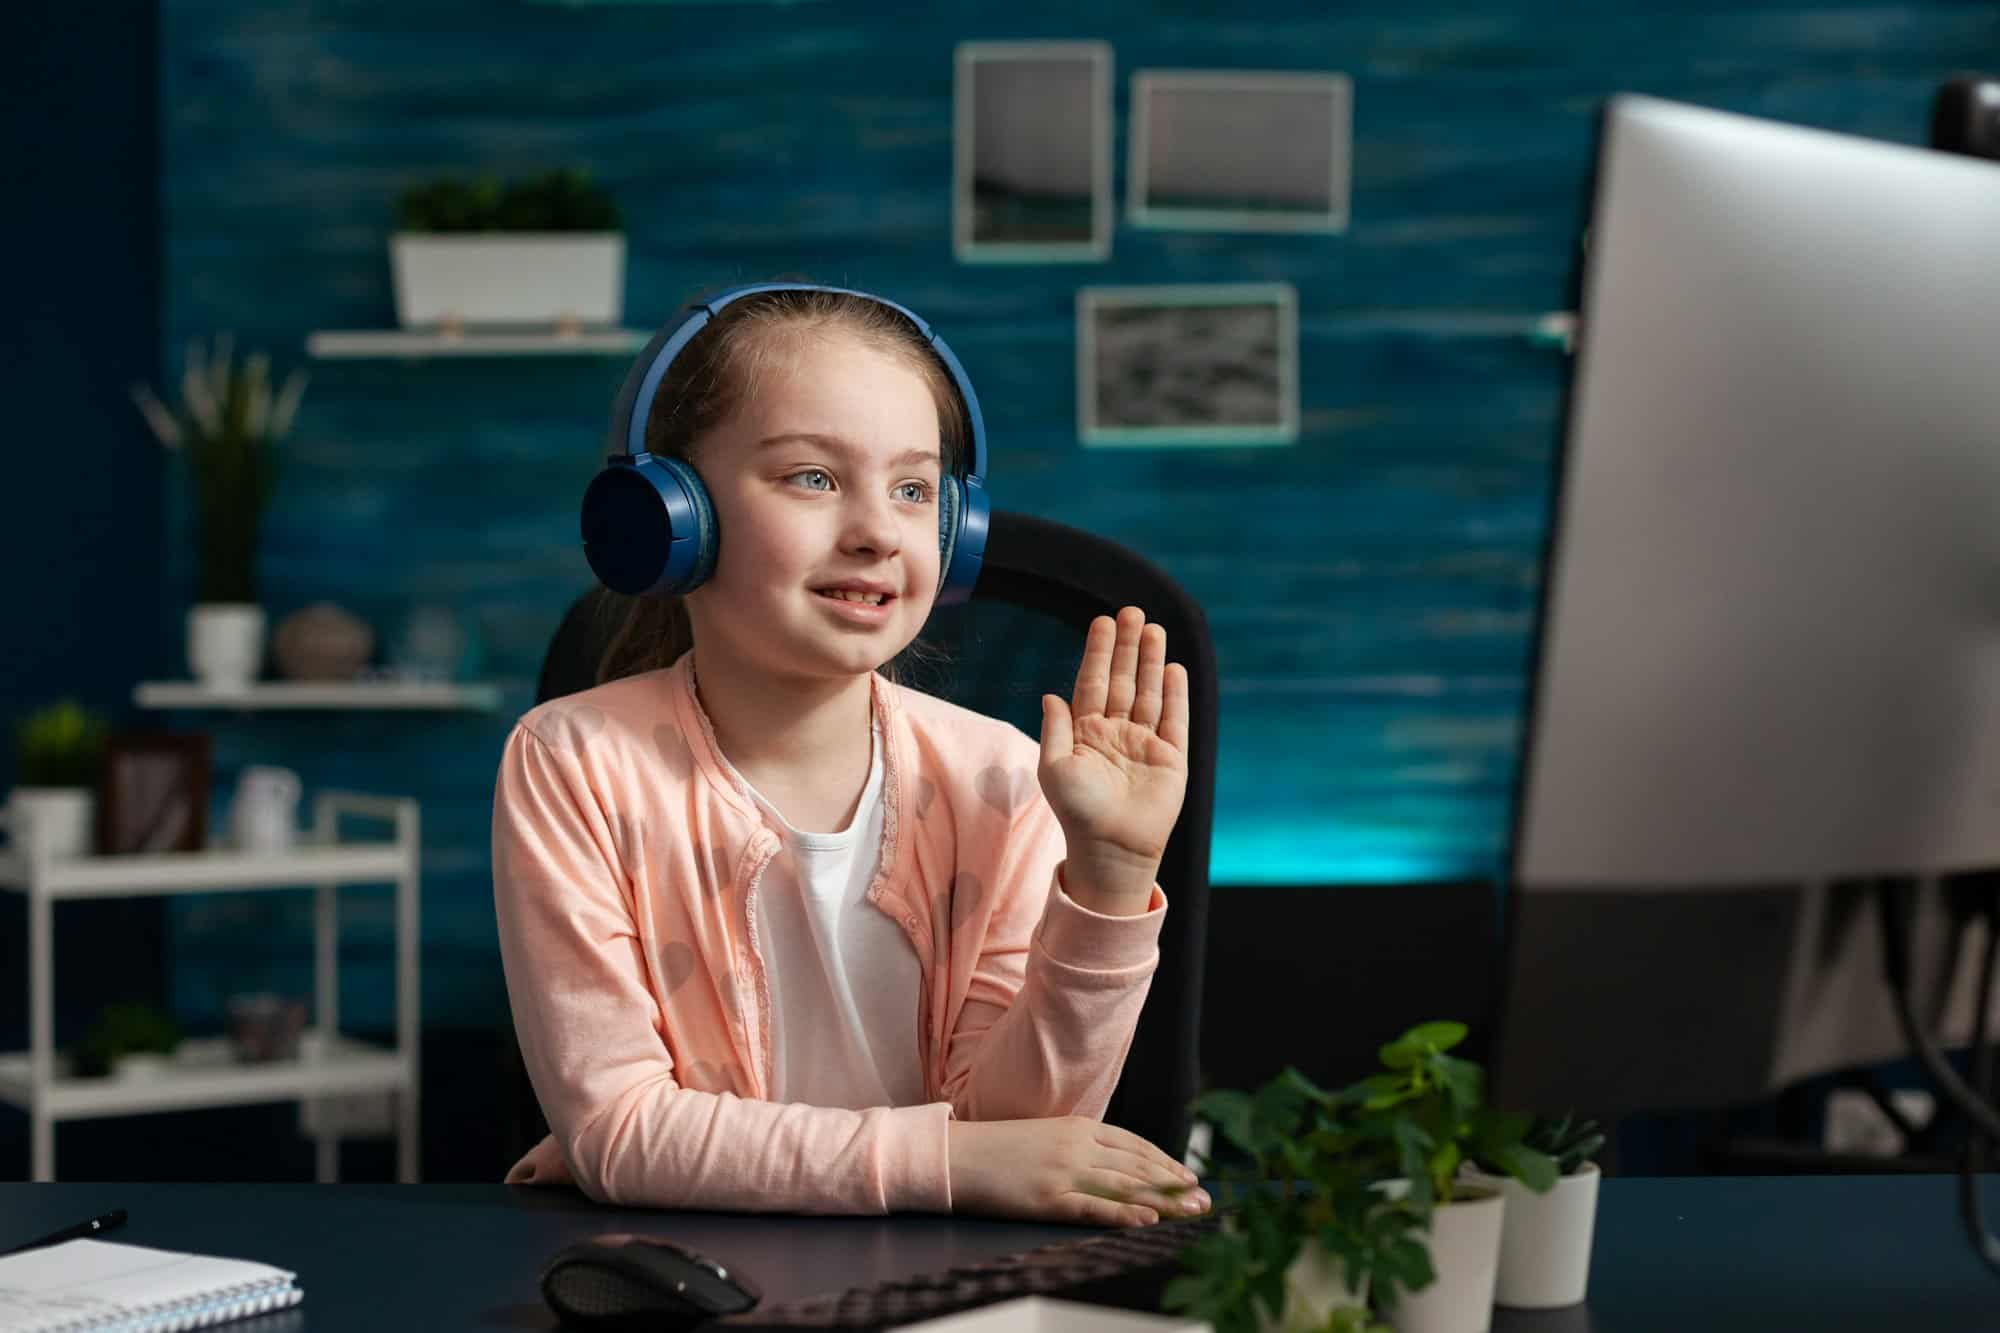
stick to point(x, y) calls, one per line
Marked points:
point(1370, 588)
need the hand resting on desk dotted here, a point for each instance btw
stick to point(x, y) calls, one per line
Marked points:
point(1061, 1169)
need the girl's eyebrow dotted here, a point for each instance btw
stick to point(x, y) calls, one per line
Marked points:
point(840, 446)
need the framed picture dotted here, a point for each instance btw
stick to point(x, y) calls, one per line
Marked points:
point(1225, 150)
point(1031, 152)
point(153, 794)
point(1188, 365)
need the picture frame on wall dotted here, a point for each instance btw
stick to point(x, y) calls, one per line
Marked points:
point(1031, 152)
point(1240, 150)
point(1188, 364)
point(153, 794)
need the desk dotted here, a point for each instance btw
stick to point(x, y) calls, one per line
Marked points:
point(1718, 1254)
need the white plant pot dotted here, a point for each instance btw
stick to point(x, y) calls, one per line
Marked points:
point(141, 1065)
point(1315, 1287)
point(225, 644)
point(508, 278)
point(1465, 1256)
point(1545, 1246)
point(55, 822)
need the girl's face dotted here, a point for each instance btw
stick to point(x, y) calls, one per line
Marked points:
point(824, 482)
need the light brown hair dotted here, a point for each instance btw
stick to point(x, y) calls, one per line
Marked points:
point(720, 367)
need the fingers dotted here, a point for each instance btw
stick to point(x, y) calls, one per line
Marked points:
point(1113, 1186)
point(1125, 1141)
point(1058, 740)
point(1146, 702)
point(1174, 713)
point(1131, 623)
point(1093, 674)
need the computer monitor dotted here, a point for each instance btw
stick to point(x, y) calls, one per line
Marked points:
point(1768, 646)
point(1769, 643)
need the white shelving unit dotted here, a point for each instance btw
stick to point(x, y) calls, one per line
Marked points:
point(357, 344)
point(204, 1073)
point(319, 694)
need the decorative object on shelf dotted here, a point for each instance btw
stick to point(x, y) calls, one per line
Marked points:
point(1367, 1205)
point(226, 426)
point(153, 795)
point(1545, 1243)
point(435, 645)
point(264, 812)
point(1239, 150)
point(1031, 151)
point(546, 251)
point(59, 751)
point(265, 1027)
point(1188, 364)
point(129, 1040)
point(322, 642)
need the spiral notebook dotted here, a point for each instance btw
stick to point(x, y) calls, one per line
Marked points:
point(97, 1284)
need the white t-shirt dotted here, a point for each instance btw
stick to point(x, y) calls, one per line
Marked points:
point(844, 981)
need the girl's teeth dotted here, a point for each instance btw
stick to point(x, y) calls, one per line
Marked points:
point(869, 598)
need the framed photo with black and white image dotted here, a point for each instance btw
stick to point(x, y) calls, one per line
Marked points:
point(1188, 364)
point(152, 795)
point(1031, 152)
point(1239, 150)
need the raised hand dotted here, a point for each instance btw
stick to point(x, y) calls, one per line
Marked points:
point(1114, 760)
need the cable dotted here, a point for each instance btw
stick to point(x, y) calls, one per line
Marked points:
point(1985, 1121)
point(1971, 1158)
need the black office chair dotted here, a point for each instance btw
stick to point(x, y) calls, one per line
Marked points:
point(1019, 637)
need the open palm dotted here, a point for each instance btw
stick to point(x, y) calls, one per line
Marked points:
point(1114, 759)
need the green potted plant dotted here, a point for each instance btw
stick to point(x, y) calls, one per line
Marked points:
point(1353, 1199)
point(545, 250)
point(227, 427)
point(1545, 1244)
point(130, 1040)
point(53, 805)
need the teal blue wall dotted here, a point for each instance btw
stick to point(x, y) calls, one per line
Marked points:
point(1370, 588)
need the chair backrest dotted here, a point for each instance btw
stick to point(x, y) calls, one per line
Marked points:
point(1019, 637)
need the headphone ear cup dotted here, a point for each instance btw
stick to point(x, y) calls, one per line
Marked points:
point(950, 503)
point(648, 528)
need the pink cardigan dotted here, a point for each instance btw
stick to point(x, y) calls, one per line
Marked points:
point(625, 860)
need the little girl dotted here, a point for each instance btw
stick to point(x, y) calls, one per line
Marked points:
point(782, 934)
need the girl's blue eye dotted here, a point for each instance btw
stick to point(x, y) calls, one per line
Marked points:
point(814, 472)
point(923, 491)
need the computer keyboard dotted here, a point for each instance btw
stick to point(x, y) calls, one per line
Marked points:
point(1128, 1268)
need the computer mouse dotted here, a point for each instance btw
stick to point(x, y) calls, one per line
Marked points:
point(622, 1280)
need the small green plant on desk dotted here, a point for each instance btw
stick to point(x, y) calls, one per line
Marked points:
point(1335, 1207)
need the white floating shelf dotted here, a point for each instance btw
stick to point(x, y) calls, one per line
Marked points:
point(353, 344)
point(318, 694)
point(145, 874)
point(205, 1072)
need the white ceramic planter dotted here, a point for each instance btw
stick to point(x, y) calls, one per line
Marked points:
point(1314, 1288)
point(57, 822)
point(508, 278)
point(1465, 1255)
point(1545, 1246)
point(225, 644)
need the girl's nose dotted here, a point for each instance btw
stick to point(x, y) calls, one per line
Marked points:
point(872, 526)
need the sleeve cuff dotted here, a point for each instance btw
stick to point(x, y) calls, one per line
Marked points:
point(919, 1178)
point(1089, 941)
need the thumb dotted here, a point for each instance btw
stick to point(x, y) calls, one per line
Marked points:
point(1057, 739)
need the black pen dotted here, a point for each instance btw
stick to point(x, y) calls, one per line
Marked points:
point(114, 1218)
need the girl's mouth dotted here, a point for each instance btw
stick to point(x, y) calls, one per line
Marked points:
point(857, 608)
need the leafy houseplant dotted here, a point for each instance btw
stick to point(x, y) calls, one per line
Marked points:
point(227, 426)
point(58, 750)
point(122, 1030)
point(548, 249)
point(1545, 1243)
point(1341, 1190)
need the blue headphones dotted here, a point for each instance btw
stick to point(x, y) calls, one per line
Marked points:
point(648, 527)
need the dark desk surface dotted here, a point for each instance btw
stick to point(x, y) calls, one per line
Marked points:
point(1716, 1254)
